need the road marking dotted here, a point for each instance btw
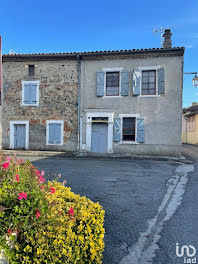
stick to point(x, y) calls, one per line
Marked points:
point(144, 250)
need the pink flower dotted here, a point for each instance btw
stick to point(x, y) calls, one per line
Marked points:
point(52, 190)
point(37, 213)
point(41, 179)
point(22, 195)
point(42, 173)
point(71, 212)
point(6, 165)
point(17, 177)
point(8, 158)
point(64, 182)
point(42, 187)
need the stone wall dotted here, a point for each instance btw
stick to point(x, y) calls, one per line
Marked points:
point(58, 100)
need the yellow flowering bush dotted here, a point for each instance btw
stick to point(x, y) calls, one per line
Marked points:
point(59, 226)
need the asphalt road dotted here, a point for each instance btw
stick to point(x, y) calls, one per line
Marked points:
point(144, 218)
point(183, 227)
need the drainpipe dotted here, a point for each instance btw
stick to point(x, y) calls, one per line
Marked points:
point(79, 99)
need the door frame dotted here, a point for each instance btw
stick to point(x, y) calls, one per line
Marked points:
point(110, 129)
point(19, 122)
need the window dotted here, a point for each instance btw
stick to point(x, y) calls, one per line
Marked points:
point(112, 83)
point(54, 132)
point(30, 93)
point(149, 82)
point(31, 70)
point(128, 129)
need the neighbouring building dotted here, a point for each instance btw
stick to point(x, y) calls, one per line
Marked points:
point(190, 124)
point(40, 102)
point(131, 101)
point(122, 102)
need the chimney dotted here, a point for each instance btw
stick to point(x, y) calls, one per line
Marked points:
point(167, 39)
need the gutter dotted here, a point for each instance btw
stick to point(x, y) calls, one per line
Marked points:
point(79, 100)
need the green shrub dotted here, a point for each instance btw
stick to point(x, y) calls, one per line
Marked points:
point(45, 222)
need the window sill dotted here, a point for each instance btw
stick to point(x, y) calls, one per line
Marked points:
point(153, 95)
point(29, 104)
point(128, 142)
point(112, 96)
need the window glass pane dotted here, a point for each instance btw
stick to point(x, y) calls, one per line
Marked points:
point(128, 131)
point(31, 69)
point(148, 82)
point(112, 83)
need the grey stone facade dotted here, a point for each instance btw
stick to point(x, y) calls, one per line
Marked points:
point(58, 100)
point(161, 112)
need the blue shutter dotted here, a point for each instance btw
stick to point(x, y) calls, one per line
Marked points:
point(136, 81)
point(117, 129)
point(140, 130)
point(26, 98)
point(51, 133)
point(124, 83)
point(100, 84)
point(57, 133)
point(161, 81)
point(33, 94)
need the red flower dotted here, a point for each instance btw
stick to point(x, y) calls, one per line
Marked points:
point(71, 212)
point(37, 172)
point(22, 195)
point(37, 213)
point(6, 165)
point(17, 177)
point(42, 187)
point(9, 231)
point(52, 190)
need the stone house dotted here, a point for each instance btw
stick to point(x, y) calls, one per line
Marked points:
point(122, 102)
point(190, 124)
point(40, 102)
point(131, 101)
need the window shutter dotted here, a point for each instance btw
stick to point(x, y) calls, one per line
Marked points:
point(124, 83)
point(117, 130)
point(51, 133)
point(33, 99)
point(100, 84)
point(26, 99)
point(140, 130)
point(161, 81)
point(136, 81)
point(57, 133)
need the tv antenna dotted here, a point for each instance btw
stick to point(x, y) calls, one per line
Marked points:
point(161, 31)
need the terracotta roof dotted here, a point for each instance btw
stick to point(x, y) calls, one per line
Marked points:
point(109, 52)
point(191, 109)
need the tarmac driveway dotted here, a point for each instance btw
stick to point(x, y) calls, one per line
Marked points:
point(131, 193)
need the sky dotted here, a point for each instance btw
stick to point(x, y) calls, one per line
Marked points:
point(71, 26)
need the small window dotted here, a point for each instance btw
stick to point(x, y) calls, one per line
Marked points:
point(112, 83)
point(148, 82)
point(30, 94)
point(54, 132)
point(31, 70)
point(128, 129)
